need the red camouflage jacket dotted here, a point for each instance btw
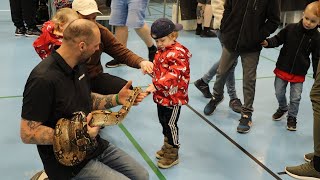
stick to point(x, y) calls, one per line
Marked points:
point(171, 75)
point(46, 42)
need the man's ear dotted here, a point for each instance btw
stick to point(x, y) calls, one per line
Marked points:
point(82, 46)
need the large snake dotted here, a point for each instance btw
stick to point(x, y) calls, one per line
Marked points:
point(71, 140)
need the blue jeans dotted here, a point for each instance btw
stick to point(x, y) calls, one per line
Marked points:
point(295, 96)
point(230, 83)
point(113, 164)
point(129, 13)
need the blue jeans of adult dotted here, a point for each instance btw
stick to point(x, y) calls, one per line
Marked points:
point(230, 83)
point(280, 86)
point(249, 61)
point(113, 164)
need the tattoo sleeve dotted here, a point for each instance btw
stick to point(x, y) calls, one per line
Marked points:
point(102, 101)
point(33, 132)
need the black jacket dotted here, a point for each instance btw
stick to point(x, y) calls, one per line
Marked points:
point(298, 44)
point(246, 23)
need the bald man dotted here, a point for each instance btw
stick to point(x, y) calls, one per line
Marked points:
point(58, 87)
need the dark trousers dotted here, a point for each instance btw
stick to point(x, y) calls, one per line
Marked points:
point(106, 84)
point(168, 118)
point(315, 99)
point(23, 12)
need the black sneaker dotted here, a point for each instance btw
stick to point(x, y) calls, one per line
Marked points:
point(198, 31)
point(235, 105)
point(207, 33)
point(212, 105)
point(245, 124)
point(33, 32)
point(292, 123)
point(279, 114)
point(203, 87)
point(20, 31)
point(113, 63)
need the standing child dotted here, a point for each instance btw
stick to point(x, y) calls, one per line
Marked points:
point(171, 76)
point(52, 31)
point(303, 38)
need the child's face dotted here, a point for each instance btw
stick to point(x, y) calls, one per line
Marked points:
point(164, 42)
point(310, 20)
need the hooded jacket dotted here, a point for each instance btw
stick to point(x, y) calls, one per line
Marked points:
point(298, 44)
point(246, 23)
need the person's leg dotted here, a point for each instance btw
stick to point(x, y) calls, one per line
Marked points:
point(118, 19)
point(136, 20)
point(16, 16)
point(226, 61)
point(315, 99)
point(106, 84)
point(115, 164)
point(200, 12)
point(280, 87)
point(295, 96)
point(249, 65)
point(234, 103)
point(168, 117)
point(207, 17)
point(29, 17)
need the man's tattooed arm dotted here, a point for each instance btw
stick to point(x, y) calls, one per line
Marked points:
point(101, 102)
point(33, 132)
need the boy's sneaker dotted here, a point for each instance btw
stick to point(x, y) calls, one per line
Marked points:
point(212, 105)
point(33, 32)
point(304, 171)
point(203, 87)
point(244, 124)
point(279, 114)
point(113, 63)
point(308, 157)
point(292, 123)
point(235, 105)
point(20, 31)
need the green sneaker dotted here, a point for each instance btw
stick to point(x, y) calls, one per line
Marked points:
point(304, 171)
point(308, 157)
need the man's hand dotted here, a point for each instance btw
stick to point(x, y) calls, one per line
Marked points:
point(150, 89)
point(264, 43)
point(146, 67)
point(126, 91)
point(92, 131)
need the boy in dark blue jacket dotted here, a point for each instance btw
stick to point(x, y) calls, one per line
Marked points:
point(299, 41)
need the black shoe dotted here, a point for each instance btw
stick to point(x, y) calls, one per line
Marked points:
point(198, 31)
point(292, 123)
point(33, 32)
point(235, 105)
point(245, 124)
point(20, 31)
point(152, 53)
point(279, 114)
point(207, 33)
point(203, 87)
point(212, 105)
point(113, 63)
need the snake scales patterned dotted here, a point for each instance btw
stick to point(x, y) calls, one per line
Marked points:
point(71, 140)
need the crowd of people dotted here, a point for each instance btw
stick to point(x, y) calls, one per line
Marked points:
point(64, 83)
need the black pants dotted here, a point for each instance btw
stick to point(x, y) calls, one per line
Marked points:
point(106, 84)
point(23, 12)
point(168, 118)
